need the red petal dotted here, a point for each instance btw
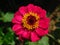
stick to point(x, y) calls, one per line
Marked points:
point(30, 7)
point(23, 10)
point(15, 21)
point(18, 18)
point(43, 13)
point(26, 34)
point(41, 32)
point(34, 37)
point(37, 9)
point(16, 27)
point(17, 13)
point(20, 32)
point(44, 23)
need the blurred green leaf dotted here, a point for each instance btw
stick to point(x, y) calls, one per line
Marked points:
point(7, 17)
point(8, 38)
point(33, 43)
point(1, 33)
point(43, 41)
point(13, 43)
point(1, 41)
point(10, 30)
point(1, 13)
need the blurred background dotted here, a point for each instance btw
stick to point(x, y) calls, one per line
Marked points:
point(9, 7)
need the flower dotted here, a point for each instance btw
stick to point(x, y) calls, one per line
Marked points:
point(30, 22)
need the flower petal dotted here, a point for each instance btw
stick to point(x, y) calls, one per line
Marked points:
point(20, 32)
point(41, 32)
point(16, 27)
point(30, 7)
point(34, 37)
point(17, 13)
point(26, 34)
point(23, 10)
point(15, 21)
point(38, 32)
point(37, 9)
point(44, 23)
point(43, 13)
point(18, 17)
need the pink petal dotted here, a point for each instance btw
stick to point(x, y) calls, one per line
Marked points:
point(23, 10)
point(47, 31)
point(30, 7)
point(34, 37)
point(26, 34)
point(17, 13)
point(44, 23)
point(18, 17)
point(37, 9)
point(42, 13)
point(20, 32)
point(41, 32)
point(16, 27)
point(15, 21)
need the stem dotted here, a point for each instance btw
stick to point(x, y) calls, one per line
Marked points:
point(49, 35)
point(58, 27)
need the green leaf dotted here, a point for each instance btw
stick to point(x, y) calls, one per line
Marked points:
point(1, 33)
point(33, 43)
point(8, 17)
point(1, 13)
point(13, 43)
point(1, 41)
point(43, 41)
point(9, 37)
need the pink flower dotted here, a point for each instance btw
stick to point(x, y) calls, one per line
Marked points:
point(30, 22)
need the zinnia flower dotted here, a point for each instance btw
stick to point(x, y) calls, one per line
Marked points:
point(30, 22)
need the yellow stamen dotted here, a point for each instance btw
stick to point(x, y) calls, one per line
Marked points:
point(26, 25)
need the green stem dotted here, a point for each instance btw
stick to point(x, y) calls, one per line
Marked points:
point(52, 37)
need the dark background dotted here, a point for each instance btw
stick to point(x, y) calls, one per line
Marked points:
point(13, 5)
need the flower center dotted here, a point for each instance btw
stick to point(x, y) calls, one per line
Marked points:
point(30, 20)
